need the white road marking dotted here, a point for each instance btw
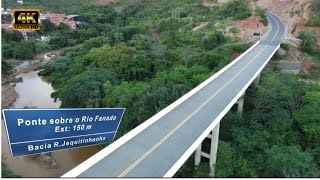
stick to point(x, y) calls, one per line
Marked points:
point(278, 28)
point(196, 144)
point(131, 134)
point(269, 30)
point(185, 120)
point(286, 28)
point(97, 157)
point(198, 141)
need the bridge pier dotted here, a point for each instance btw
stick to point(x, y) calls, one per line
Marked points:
point(214, 149)
point(240, 103)
point(214, 136)
point(256, 81)
point(197, 156)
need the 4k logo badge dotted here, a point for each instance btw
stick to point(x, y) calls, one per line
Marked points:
point(26, 19)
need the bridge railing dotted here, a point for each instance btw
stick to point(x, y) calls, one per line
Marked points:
point(122, 140)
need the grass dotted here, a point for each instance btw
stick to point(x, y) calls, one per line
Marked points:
point(314, 19)
point(7, 173)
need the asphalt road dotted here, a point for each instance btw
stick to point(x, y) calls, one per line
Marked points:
point(154, 151)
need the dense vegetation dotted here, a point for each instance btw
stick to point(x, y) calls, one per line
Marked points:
point(309, 44)
point(139, 55)
point(314, 20)
point(262, 13)
point(119, 23)
point(5, 67)
point(277, 136)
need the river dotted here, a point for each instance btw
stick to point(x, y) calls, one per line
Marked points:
point(34, 91)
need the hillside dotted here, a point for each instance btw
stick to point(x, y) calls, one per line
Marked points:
point(303, 33)
point(145, 54)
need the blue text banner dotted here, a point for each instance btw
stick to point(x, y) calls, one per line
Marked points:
point(32, 131)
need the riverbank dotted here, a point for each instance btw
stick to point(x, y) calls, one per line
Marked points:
point(25, 88)
point(8, 82)
point(9, 95)
point(53, 164)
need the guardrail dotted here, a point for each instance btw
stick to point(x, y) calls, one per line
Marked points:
point(106, 151)
point(109, 149)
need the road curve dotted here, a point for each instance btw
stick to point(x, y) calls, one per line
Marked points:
point(158, 147)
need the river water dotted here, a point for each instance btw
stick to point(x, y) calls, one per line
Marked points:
point(35, 91)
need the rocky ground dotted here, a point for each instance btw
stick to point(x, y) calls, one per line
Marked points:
point(295, 14)
point(9, 95)
point(45, 160)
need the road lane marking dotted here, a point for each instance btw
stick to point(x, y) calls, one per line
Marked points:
point(99, 156)
point(278, 28)
point(285, 26)
point(185, 120)
point(89, 163)
point(269, 30)
point(191, 149)
point(197, 142)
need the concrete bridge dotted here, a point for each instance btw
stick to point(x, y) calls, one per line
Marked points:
point(159, 146)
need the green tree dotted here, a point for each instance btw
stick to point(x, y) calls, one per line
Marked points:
point(8, 36)
point(315, 5)
point(278, 92)
point(117, 58)
point(47, 26)
point(85, 89)
point(95, 42)
point(289, 161)
point(308, 117)
point(314, 19)
point(262, 13)
point(226, 156)
point(24, 50)
point(41, 47)
point(213, 40)
point(5, 67)
point(237, 9)
point(309, 41)
point(169, 28)
point(7, 50)
point(125, 95)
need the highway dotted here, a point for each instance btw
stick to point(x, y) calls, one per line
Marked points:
point(159, 146)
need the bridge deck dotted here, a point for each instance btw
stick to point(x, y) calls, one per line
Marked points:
point(161, 148)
